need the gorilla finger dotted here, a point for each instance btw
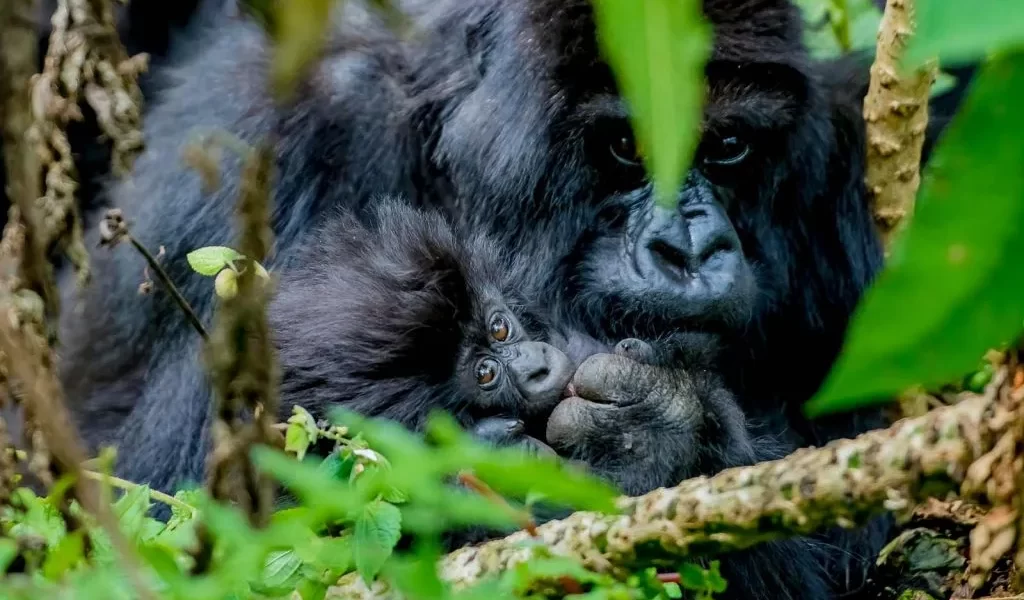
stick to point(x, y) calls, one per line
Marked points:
point(635, 349)
point(573, 420)
point(610, 379)
point(536, 447)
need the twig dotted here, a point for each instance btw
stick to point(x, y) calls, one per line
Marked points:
point(896, 112)
point(114, 229)
point(844, 483)
point(128, 486)
point(474, 483)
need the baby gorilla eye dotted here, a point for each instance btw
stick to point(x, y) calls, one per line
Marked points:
point(487, 372)
point(623, 149)
point(500, 328)
point(725, 152)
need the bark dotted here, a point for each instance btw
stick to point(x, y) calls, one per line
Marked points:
point(960, 449)
point(896, 112)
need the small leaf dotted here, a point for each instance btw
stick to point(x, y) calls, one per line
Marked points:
point(131, 511)
point(69, 552)
point(212, 259)
point(279, 572)
point(8, 552)
point(297, 440)
point(657, 50)
point(951, 289)
point(377, 530)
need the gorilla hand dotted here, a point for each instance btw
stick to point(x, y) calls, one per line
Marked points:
point(644, 425)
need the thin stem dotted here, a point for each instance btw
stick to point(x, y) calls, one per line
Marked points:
point(171, 288)
point(126, 485)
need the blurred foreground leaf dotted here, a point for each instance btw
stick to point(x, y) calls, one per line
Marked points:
point(958, 31)
point(657, 49)
point(953, 287)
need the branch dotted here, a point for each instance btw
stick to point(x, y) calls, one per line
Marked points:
point(896, 111)
point(953, 449)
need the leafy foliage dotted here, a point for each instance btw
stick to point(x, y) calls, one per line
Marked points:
point(950, 290)
point(963, 31)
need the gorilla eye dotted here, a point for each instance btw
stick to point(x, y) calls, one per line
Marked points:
point(725, 152)
point(500, 328)
point(487, 372)
point(623, 149)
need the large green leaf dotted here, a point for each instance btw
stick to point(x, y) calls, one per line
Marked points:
point(954, 285)
point(657, 49)
point(958, 31)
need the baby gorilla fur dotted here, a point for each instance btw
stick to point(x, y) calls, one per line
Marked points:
point(398, 315)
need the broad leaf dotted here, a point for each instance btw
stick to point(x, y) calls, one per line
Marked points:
point(211, 259)
point(953, 286)
point(959, 31)
point(657, 50)
point(377, 530)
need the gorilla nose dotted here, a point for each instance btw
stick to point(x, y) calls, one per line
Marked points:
point(693, 246)
point(540, 373)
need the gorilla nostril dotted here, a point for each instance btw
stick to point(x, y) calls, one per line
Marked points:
point(670, 258)
point(719, 245)
point(539, 375)
point(693, 212)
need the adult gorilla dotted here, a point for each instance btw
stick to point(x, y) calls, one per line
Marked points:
point(502, 113)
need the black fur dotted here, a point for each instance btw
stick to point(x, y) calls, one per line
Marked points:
point(500, 113)
point(392, 319)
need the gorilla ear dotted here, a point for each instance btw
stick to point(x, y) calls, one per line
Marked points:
point(477, 31)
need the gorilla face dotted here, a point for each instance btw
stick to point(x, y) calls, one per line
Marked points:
point(547, 148)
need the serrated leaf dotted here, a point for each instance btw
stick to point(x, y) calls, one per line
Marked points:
point(377, 530)
point(959, 32)
point(130, 510)
point(280, 572)
point(952, 286)
point(657, 50)
point(211, 259)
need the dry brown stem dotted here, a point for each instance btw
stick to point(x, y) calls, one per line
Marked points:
point(844, 483)
point(85, 60)
point(896, 112)
point(241, 357)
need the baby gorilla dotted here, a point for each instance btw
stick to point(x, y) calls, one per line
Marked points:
point(399, 316)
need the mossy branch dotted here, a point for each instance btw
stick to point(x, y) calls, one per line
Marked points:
point(955, 449)
point(896, 115)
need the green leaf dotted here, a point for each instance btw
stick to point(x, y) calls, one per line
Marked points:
point(377, 530)
point(297, 440)
point(657, 50)
point(952, 287)
point(280, 572)
point(69, 552)
point(8, 552)
point(212, 259)
point(959, 32)
point(131, 510)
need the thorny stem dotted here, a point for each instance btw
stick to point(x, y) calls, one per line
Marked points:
point(896, 116)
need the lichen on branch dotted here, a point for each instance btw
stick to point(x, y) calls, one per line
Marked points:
point(896, 115)
point(845, 483)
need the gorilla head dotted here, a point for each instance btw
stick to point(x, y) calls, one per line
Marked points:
point(771, 240)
